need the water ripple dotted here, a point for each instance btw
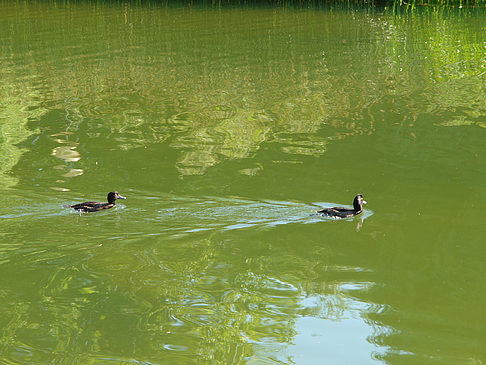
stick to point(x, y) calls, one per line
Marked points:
point(175, 215)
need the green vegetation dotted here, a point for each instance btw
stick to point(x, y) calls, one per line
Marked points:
point(298, 4)
point(340, 3)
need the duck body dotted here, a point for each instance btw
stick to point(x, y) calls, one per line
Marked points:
point(342, 212)
point(97, 206)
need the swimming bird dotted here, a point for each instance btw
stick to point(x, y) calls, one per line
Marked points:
point(96, 206)
point(341, 212)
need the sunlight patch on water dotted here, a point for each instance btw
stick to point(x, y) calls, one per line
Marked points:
point(313, 340)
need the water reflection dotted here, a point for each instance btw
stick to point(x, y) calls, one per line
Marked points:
point(212, 111)
point(267, 101)
point(73, 172)
point(20, 104)
point(185, 296)
point(66, 153)
point(225, 100)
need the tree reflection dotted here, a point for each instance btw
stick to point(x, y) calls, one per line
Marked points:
point(19, 105)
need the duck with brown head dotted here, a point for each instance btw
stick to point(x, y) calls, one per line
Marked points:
point(97, 206)
point(341, 212)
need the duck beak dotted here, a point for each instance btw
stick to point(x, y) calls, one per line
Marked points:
point(121, 197)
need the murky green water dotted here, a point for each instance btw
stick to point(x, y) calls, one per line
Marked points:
point(225, 129)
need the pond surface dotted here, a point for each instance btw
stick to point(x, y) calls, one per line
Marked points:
point(226, 129)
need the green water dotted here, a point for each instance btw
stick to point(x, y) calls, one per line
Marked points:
point(225, 129)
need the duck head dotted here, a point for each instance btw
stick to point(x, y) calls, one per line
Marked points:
point(358, 203)
point(113, 195)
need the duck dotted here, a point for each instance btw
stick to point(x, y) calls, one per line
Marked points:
point(341, 212)
point(96, 206)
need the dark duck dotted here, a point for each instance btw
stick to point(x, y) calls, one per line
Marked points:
point(97, 206)
point(341, 212)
